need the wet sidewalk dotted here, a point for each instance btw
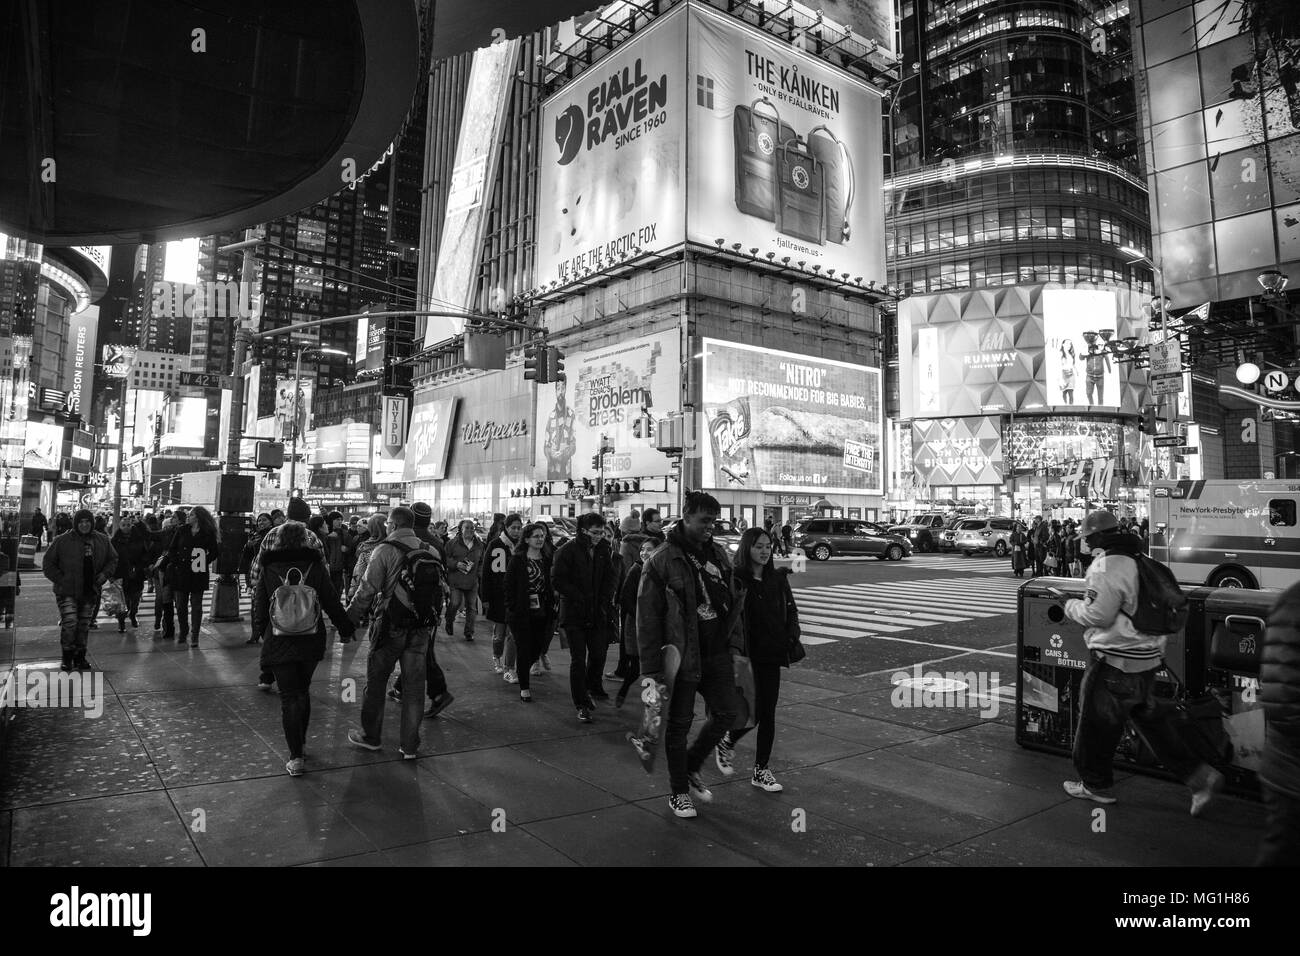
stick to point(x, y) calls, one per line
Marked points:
point(185, 767)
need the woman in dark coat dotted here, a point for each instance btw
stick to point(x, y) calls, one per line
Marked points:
point(627, 611)
point(771, 626)
point(492, 592)
point(133, 545)
point(530, 602)
point(190, 554)
point(293, 657)
point(1019, 550)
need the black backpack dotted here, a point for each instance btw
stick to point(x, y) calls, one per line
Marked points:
point(1161, 603)
point(417, 601)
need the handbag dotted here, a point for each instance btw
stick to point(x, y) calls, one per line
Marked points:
point(1050, 562)
point(111, 600)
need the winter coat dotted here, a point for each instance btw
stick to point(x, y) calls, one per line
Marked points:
point(1019, 551)
point(280, 649)
point(379, 586)
point(456, 551)
point(350, 542)
point(272, 543)
point(333, 544)
point(253, 545)
point(665, 611)
point(583, 577)
point(63, 561)
point(630, 547)
point(1112, 589)
point(492, 578)
point(39, 524)
point(364, 550)
point(517, 606)
point(133, 562)
point(770, 619)
point(1279, 682)
point(627, 607)
point(189, 558)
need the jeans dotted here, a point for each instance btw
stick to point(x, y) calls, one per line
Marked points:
point(294, 679)
point(1280, 845)
point(75, 615)
point(131, 590)
point(388, 644)
point(503, 643)
point(1108, 698)
point(1096, 390)
point(531, 636)
point(717, 684)
point(469, 599)
point(767, 687)
point(586, 661)
point(194, 617)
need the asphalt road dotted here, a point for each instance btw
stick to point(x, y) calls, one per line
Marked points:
point(863, 616)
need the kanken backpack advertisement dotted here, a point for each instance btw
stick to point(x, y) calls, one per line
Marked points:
point(781, 148)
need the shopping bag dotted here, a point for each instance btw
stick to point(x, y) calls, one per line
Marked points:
point(111, 600)
point(747, 710)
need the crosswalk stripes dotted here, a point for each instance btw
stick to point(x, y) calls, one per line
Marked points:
point(149, 598)
point(935, 562)
point(831, 613)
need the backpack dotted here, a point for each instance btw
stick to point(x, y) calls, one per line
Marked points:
point(1161, 604)
point(295, 608)
point(420, 577)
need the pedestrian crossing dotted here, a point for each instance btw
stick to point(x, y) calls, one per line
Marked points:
point(936, 562)
point(832, 613)
point(149, 598)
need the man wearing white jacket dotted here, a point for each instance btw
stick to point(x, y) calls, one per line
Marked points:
point(1118, 684)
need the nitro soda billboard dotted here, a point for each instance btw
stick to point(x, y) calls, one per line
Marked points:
point(777, 421)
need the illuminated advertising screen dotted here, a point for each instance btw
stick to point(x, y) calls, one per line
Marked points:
point(605, 393)
point(43, 446)
point(429, 437)
point(1052, 444)
point(79, 378)
point(185, 423)
point(1018, 348)
point(784, 152)
point(613, 153)
point(958, 451)
point(385, 469)
point(286, 409)
point(342, 445)
point(777, 421)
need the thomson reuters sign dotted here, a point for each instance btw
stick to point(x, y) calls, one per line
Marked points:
point(624, 104)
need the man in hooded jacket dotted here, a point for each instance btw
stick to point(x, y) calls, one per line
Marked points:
point(78, 563)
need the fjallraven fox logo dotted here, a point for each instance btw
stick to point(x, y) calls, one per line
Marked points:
point(568, 134)
point(800, 176)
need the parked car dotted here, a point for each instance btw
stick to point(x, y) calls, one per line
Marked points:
point(922, 531)
point(947, 538)
point(983, 534)
point(822, 537)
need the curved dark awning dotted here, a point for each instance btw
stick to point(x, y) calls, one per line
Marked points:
point(156, 133)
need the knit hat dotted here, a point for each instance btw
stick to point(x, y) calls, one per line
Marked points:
point(1098, 521)
point(423, 514)
point(298, 510)
point(85, 514)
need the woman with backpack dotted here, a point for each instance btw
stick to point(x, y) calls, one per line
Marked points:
point(530, 602)
point(293, 589)
point(190, 554)
point(770, 622)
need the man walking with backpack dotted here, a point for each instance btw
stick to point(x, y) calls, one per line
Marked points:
point(403, 579)
point(1118, 684)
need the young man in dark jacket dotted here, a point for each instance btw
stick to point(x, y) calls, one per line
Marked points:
point(292, 658)
point(685, 599)
point(1279, 682)
point(583, 577)
point(78, 563)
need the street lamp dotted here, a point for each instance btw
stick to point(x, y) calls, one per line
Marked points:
point(297, 395)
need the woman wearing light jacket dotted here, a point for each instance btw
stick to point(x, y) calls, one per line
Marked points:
point(770, 622)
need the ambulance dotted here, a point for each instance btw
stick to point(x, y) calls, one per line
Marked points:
point(1228, 533)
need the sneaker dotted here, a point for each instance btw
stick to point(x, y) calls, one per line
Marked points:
point(194, 641)
point(725, 756)
point(405, 755)
point(439, 705)
point(584, 715)
point(1075, 788)
point(296, 767)
point(537, 669)
point(81, 663)
point(66, 666)
point(510, 677)
point(265, 681)
point(358, 739)
point(764, 780)
point(614, 676)
point(253, 640)
point(546, 661)
point(698, 790)
point(497, 666)
point(469, 638)
point(395, 693)
point(681, 805)
point(526, 696)
point(156, 631)
point(1202, 796)
point(94, 625)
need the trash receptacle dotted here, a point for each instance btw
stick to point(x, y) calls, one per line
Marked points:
point(1234, 623)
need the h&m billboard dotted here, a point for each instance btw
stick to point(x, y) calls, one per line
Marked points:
point(605, 393)
point(701, 127)
point(778, 421)
point(1015, 348)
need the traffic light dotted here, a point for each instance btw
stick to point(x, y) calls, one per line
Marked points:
point(554, 364)
point(636, 427)
point(537, 364)
point(1147, 425)
point(595, 462)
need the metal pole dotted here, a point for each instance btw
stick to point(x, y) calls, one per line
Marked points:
point(243, 334)
point(297, 392)
point(121, 454)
